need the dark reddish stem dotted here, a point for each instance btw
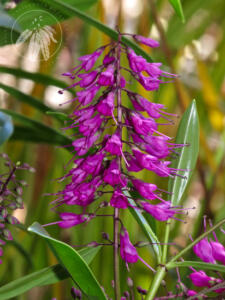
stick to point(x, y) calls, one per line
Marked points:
point(116, 210)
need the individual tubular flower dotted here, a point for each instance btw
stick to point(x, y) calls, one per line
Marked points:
point(218, 251)
point(161, 211)
point(70, 219)
point(119, 200)
point(203, 250)
point(201, 279)
point(127, 251)
point(107, 77)
point(146, 41)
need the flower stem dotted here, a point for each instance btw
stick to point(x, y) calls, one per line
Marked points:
point(161, 271)
point(115, 254)
point(116, 210)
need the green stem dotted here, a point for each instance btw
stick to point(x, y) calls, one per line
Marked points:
point(161, 270)
point(156, 283)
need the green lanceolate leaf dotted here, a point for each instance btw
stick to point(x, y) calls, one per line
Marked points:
point(36, 77)
point(6, 127)
point(73, 263)
point(178, 8)
point(196, 264)
point(46, 133)
point(188, 133)
point(43, 277)
point(146, 228)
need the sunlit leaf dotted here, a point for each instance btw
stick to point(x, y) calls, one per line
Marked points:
point(188, 133)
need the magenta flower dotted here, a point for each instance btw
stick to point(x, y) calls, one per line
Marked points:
point(113, 176)
point(106, 106)
point(70, 219)
point(145, 189)
point(146, 41)
point(89, 60)
point(114, 144)
point(161, 211)
point(87, 78)
point(107, 77)
point(92, 164)
point(119, 200)
point(218, 251)
point(86, 96)
point(127, 250)
point(142, 125)
point(203, 250)
point(199, 278)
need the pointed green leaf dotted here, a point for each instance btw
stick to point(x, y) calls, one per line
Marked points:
point(73, 262)
point(178, 9)
point(188, 133)
point(43, 277)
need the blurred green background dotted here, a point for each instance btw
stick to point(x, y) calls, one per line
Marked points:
point(194, 49)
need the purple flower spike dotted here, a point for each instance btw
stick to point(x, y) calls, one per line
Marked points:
point(119, 200)
point(203, 250)
point(218, 251)
point(106, 106)
point(127, 250)
point(107, 77)
point(146, 41)
point(200, 278)
point(70, 219)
